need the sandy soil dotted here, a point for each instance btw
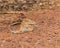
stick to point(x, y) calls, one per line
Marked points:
point(45, 35)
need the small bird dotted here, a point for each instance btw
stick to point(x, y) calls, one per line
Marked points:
point(26, 25)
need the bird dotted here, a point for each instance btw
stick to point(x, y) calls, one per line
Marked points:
point(26, 25)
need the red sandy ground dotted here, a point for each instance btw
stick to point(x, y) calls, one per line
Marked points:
point(45, 35)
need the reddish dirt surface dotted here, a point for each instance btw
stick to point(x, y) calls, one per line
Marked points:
point(45, 35)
